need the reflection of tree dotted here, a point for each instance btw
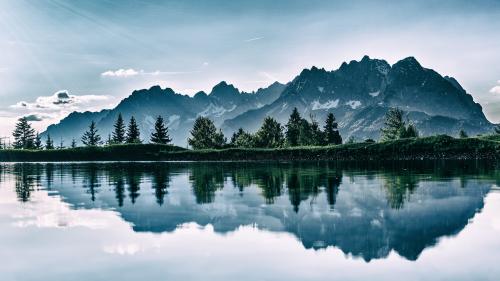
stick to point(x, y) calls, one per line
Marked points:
point(332, 183)
point(116, 178)
point(91, 180)
point(399, 187)
point(25, 181)
point(206, 179)
point(160, 181)
point(49, 174)
point(134, 178)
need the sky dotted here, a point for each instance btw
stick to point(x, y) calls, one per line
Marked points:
point(59, 56)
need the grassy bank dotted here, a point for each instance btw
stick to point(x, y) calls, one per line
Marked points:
point(436, 147)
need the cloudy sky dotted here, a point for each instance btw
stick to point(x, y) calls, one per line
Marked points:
point(58, 56)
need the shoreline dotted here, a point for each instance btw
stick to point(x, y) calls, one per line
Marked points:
point(426, 148)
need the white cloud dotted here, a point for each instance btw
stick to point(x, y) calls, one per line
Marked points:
point(254, 39)
point(61, 100)
point(495, 90)
point(121, 73)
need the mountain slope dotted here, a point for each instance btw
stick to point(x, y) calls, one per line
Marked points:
point(179, 111)
point(359, 93)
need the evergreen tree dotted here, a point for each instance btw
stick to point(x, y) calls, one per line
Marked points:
point(61, 144)
point(462, 134)
point(393, 125)
point(497, 129)
point(409, 132)
point(202, 134)
point(270, 134)
point(38, 141)
point(119, 130)
point(133, 133)
point(332, 134)
point(219, 140)
point(73, 143)
point(242, 139)
point(91, 137)
point(160, 135)
point(24, 135)
point(317, 136)
point(110, 140)
point(235, 136)
point(293, 128)
point(305, 133)
point(49, 143)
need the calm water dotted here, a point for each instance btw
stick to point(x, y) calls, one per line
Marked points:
point(253, 221)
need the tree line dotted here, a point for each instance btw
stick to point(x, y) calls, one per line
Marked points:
point(26, 138)
point(298, 131)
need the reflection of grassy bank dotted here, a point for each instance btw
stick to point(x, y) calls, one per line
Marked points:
point(436, 147)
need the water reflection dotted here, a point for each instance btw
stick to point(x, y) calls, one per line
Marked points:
point(364, 209)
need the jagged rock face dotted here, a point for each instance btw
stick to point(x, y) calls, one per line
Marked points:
point(179, 111)
point(359, 93)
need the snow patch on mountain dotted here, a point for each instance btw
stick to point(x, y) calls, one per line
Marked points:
point(321, 89)
point(316, 105)
point(374, 94)
point(353, 104)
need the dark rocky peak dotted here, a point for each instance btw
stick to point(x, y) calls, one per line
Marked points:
point(200, 95)
point(366, 66)
point(409, 64)
point(455, 83)
point(223, 90)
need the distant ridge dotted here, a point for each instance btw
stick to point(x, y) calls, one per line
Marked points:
point(359, 93)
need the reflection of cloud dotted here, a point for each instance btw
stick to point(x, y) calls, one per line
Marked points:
point(122, 249)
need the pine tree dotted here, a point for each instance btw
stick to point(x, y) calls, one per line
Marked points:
point(202, 134)
point(24, 135)
point(119, 131)
point(270, 134)
point(110, 140)
point(462, 134)
point(160, 135)
point(61, 144)
point(497, 130)
point(332, 134)
point(73, 143)
point(409, 132)
point(393, 125)
point(133, 133)
point(49, 143)
point(317, 136)
point(293, 128)
point(91, 137)
point(219, 140)
point(38, 141)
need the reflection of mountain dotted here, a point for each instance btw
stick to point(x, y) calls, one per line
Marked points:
point(363, 212)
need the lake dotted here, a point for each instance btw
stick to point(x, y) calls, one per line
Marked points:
point(250, 221)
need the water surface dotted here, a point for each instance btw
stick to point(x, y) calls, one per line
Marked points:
point(250, 221)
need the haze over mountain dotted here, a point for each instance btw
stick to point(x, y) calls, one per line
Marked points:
point(359, 93)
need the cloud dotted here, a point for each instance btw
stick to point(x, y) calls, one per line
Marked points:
point(125, 73)
point(33, 118)
point(496, 89)
point(60, 100)
point(253, 39)
point(120, 73)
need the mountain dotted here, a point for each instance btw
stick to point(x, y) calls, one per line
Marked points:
point(359, 93)
point(179, 111)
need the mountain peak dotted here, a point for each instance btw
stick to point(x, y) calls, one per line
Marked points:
point(409, 62)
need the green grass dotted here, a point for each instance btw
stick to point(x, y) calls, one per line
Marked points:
point(435, 147)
